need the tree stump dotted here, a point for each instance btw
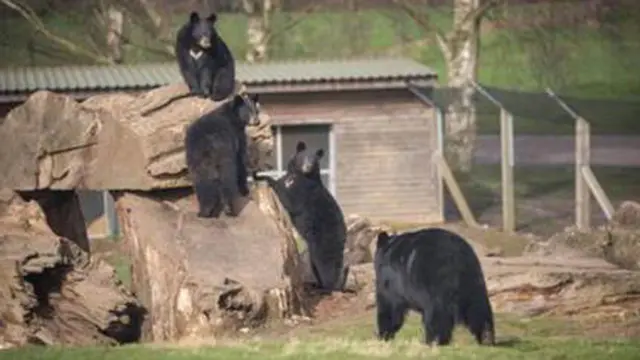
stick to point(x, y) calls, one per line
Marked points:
point(206, 277)
point(50, 292)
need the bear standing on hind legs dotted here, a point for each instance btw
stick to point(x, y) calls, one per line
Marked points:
point(216, 150)
point(206, 63)
point(315, 214)
point(437, 273)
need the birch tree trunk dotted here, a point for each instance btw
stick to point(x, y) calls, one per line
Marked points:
point(115, 24)
point(259, 15)
point(460, 51)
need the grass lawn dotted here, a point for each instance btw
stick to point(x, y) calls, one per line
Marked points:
point(352, 339)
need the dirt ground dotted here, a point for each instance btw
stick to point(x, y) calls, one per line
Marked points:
point(545, 206)
point(343, 309)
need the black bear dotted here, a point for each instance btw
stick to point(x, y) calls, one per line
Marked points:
point(205, 61)
point(437, 273)
point(315, 214)
point(216, 147)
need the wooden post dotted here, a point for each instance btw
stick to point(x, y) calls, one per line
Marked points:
point(110, 214)
point(598, 192)
point(583, 162)
point(456, 192)
point(583, 206)
point(507, 163)
point(440, 151)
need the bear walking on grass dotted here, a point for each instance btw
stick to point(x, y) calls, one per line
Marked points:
point(216, 147)
point(206, 63)
point(315, 214)
point(437, 273)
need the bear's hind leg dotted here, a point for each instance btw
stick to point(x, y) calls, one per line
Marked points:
point(223, 84)
point(243, 175)
point(390, 317)
point(438, 325)
point(208, 196)
point(478, 318)
point(229, 183)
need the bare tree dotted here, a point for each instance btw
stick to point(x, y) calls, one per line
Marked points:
point(153, 17)
point(111, 20)
point(63, 43)
point(460, 49)
point(259, 16)
point(260, 28)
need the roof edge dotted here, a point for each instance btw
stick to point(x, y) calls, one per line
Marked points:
point(259, 87)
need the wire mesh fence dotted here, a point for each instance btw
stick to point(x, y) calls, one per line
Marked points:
point(544, 147)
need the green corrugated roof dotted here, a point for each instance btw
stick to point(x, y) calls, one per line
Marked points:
point(90, 77)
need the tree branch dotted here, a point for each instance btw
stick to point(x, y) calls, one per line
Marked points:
point(423, 21)
point(32, 18)
point(480, 11)
point(295, 21)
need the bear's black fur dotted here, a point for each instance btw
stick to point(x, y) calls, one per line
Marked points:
point(315, 214)
point(216, 148)
point(437, 273)
point(205, 61)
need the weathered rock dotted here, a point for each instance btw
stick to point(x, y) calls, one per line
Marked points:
point(51, 293)
point(618, 242)
point(628, 215)
point(531, 286)
point(361, 235)
point(203, 277)
point(54, 142)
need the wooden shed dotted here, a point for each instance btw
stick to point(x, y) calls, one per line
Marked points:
point(378, 137)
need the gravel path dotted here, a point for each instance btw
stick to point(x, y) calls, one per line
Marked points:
point(612, 150)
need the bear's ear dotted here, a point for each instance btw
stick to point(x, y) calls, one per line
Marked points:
point(319, 153)
point(194, 17)
point(301, 146)
point(212, 18)
point(237, 101)
point(383, 239)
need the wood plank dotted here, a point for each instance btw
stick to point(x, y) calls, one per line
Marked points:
point(583, 197)
point(456, 193)
point(507, 163)
point(598, 192)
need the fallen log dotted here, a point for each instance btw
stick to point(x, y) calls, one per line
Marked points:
point(589, 288)
point(51, 292)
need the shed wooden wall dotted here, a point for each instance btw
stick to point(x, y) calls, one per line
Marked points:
point(384, 142)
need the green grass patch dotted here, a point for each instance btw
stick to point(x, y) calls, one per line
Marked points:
point(110, 250)
point(520, 339)
point(620, 183)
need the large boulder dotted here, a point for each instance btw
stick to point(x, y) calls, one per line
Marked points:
point(115, 141)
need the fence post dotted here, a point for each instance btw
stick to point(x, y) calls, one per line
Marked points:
point(439, 153)
point(583, 154)
point(110, 214)
point(507, 163)
point(583, 160)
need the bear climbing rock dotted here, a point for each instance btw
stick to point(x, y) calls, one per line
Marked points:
point(315, 214)
point(206, 63)
point(437, 273)
point(216, 147)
